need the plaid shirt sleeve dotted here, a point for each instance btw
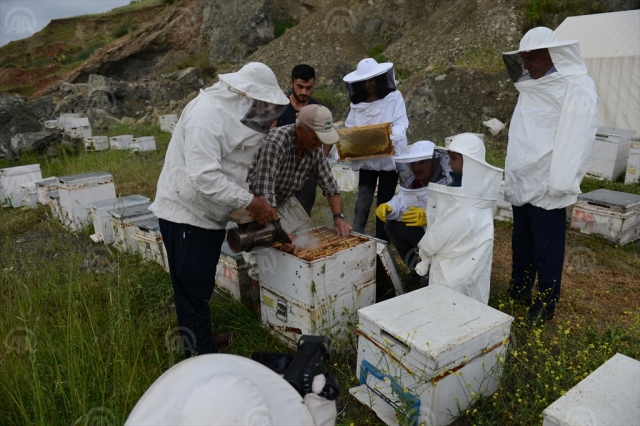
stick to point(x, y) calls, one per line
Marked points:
point(324, 175)
point(264, 170)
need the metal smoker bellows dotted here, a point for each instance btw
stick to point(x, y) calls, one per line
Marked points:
point(251, 235)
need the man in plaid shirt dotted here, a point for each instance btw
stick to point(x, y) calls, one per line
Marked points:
point(284, 161)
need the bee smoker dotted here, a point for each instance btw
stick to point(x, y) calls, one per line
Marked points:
point(250, 234)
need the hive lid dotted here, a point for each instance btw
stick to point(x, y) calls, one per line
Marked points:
point(85, 179)
point(607, 198)
point(125, 213)
point(151, 224)
point(50, 182)
point(115, 203)
point(608, 132)
point(435, 326)
point(19, 170)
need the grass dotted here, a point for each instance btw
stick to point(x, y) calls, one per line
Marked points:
point(542, 12)
point(78, 346)
point(486, 59)
point(280, 27)
point(377, 53)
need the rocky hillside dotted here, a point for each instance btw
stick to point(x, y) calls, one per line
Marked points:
point(150, 58)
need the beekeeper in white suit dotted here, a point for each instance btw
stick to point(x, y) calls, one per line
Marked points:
point(203, 180)
point(458, 242)
point(223, 390)
point(552, 131)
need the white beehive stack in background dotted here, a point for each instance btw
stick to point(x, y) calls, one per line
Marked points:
point(319, 296)
point(76, 192)
point(608, 396)
point(428, 354)
point(51, 124)
point(145, 143)
point(12, 178)
point(611, 214)
point(64, 121)
point(503, 210)
point(633, 165)
point(122, 224)
point(45, 187)
point(80, 128)
point(347, 179)
point(29, 194)
point(150, 245)
point(121, 142)
point(166, 121)
point(447, 140)
point(96, 143)
point(610, 153)
point(172, 127)
point(232, 275)
point(102, 218)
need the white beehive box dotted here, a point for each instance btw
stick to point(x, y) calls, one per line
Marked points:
point(610, 153)
point(232, 275)
point(12, 178)
point(96, 143)
point(149, 239)
point(122, 223)
point(166, 121)
point(45, 187)
point(502, 211)
point(608, 396)
point(79, 128)
point(29, 194)
point(101, 217)
point(1, 193)
point(145, 143)
point(633, 165)
point(75, 218)
point(54, 204)
point(83, 189)
point(448, 139)
point(121, 142)
point(611, 214)
point(347, 179)
point(51, 124)
point(64, 121)
point(425, 352)
point(172, 127)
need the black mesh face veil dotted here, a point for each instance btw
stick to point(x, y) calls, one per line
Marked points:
point(261, 115)
point(385, 84)
point(515, 67)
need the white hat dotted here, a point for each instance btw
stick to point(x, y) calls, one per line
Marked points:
point(367, 68)
point(220, 389)
point(470, 146)
point(421, 150)
point(256, 81)
point(540, 38)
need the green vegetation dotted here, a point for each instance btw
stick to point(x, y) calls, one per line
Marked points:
point(280, 27)
point(376, 52)
point(541, 12)
point(485, 58)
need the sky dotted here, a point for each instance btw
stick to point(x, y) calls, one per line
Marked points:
point(22, 18)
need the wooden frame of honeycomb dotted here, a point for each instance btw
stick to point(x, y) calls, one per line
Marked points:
point(329, 242)
point(360, 143)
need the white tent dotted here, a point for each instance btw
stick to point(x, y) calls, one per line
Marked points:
point(610, 46)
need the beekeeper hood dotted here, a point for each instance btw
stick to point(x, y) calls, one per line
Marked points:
point(480, 179)
point(423, 150)
point(253, 94)
point(565, 56)
point(369, 68)
point(220, 389)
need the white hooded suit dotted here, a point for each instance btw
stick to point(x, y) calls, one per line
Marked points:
point(458, 242)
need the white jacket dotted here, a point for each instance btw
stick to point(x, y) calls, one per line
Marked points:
point(458, 242)
point(552, 129)
point(389, 109)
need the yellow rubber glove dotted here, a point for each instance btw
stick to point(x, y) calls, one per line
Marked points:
point(415, 216)
point(383, 210)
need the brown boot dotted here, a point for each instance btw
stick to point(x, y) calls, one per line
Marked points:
point(222, 340)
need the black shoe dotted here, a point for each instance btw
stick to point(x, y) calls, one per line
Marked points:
point(537, 317)
point(521, 297)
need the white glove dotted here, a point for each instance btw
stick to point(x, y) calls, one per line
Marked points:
point(323, 411)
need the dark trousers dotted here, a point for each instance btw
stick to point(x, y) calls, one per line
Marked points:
point(405, 239)
point(307, 194)
point(193, 255)
point(387, 182)
point(538, 249)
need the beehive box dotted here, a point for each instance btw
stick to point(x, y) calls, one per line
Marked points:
point(428, 354)
point(51, 124)
point(608, 396)
point(121, 142)
point(232, 275)
point(29, 194)
point(448, 139)
point(96, 143)
point(166, 121)
point(610, 214)
point(12, 178)
point(122, 224)
point(610, 153)
point(633, 165)
point(347, 179)
point(64, 121)
point(76, 218)
point(54, 204)
point(83, 189)
point(149, 239)
point(101, 217)
point(503, 211)
point(45, 187)
point(145, 143)
point(358, 143)
point(79, 128)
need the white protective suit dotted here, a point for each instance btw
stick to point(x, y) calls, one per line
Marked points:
point(553, 127)
point(222, 389)
point(205, 170)
point(458, 242)
point(390, 109)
